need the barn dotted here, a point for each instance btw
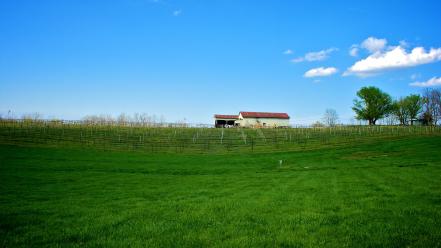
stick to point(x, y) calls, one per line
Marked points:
point(253, 119)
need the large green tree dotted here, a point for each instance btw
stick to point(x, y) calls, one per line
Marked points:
point(372, 105)
point(407, 109)
point(400, 111)
point(413, 105)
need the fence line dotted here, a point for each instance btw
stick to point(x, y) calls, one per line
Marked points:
point(204, 140)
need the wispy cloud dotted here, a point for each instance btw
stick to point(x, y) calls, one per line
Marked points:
point(404, 43)
point(288, 51)
point(415, 76)
point(177, 12)
point(298, 60)
point(315, 56)
point(353, 51)
point(433, 82)
point(320, 72)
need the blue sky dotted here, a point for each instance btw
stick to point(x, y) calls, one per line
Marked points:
point(192, 59)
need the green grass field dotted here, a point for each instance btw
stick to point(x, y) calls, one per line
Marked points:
point(382, 192)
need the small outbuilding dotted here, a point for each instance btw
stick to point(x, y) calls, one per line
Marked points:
point(225, 120)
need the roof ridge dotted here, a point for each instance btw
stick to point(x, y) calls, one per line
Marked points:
point(264, 115)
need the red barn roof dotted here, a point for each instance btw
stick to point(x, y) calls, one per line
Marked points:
point(264, 115)
point(226, 116)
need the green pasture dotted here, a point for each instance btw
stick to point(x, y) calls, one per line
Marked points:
point(378, 190)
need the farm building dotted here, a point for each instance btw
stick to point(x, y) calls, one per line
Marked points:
point(225, 120)
point(252, 119)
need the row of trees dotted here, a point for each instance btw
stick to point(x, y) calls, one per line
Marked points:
point(123, 119)
point(141, 119)
point(373, 104)
point(137, 119)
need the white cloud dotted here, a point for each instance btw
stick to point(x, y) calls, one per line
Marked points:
point(395, 58)
point(320, 72)
point(315, 56)
point(288, 51)
point(177, 12)
point(373, 44)
point(354, 51)
point(433, 82)
point(297, 60)
point(318, 56)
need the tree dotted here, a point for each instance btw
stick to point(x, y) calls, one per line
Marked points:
point(407, 109)
point(317, 124)
point(330, 117)
point(431, 104)
point(32, 117)
point(427, 118)
point(373, 104)
point(390, 119)
point(399, 110)
point(98, 119)
point(412, 106)
point(122, 119)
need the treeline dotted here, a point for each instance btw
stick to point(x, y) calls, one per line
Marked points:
point(373, 104)
point(137, 119)
point(141, 119)
point(123, 119)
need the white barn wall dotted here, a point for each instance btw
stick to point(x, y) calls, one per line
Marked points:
point(269, 122)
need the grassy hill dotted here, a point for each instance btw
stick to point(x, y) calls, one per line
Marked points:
point(384, 191)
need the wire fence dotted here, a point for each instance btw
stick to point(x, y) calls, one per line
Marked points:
point(196, 140)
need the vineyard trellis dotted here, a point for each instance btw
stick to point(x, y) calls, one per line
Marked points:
point(191, 139)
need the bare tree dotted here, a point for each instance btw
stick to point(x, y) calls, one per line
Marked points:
point(89, 119)
point(137, 119)
point(122, 119)
point(32, 117)
point(162, 120)
point(436, 98)
point(97, 119)
point(431, 102)
point(390, 119)
point(330, 117)
point(317, 124)
point(143, 119)
point(108, 119)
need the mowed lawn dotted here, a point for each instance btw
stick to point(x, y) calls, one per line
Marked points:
point(383, 194)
